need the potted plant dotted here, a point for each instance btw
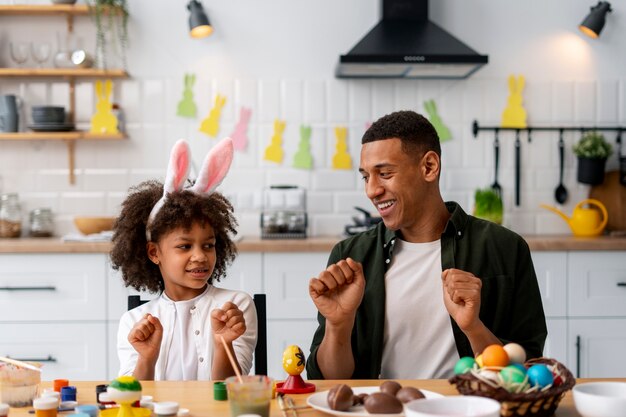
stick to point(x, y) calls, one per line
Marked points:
point(488, 205)
point(111, 19)
point(592, 151)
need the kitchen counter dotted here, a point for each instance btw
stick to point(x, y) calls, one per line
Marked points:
point(537, 243)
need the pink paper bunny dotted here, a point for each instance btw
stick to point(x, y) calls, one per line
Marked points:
point(240, 133)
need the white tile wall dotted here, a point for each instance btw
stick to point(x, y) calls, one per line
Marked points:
point(104, 171)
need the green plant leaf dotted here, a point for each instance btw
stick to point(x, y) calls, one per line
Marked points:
point(593, 145)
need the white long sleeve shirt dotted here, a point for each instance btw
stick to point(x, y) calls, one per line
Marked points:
point(187, 330)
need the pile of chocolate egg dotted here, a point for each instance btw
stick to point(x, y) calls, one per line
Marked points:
point(503, 366)
point(388, 401)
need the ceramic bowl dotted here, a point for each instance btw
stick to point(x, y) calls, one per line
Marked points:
point(600, 399)
point(462, 406)
point(91, 225)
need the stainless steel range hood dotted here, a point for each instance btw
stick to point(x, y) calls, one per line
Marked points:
point(405, 44)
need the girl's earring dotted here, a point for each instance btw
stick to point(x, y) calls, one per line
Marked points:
point(156, 262)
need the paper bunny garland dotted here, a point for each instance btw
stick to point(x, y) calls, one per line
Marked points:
point(214, 168)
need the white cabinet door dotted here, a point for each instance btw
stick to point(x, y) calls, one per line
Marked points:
point(597, 284)
point(286, 280)
point(113, 364)
point(282, 333)
point(556, 343)
point(74, 351)
point(596, 348)
point(551, 270)
point(117, 294)
point(49, 287)
point(245, 274)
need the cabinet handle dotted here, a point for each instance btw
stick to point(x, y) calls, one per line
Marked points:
point(28, 288)
point(50, 358)
point(578, 356)
point(621, 284)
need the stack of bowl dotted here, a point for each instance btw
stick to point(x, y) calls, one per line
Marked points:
point(49, 118)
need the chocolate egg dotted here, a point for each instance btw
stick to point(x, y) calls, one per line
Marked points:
point(407, 394)
point(390, 387)
point(340, 397)
point(381, 403)
point(359, 399)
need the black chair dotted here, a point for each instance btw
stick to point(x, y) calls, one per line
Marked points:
point(260, 352)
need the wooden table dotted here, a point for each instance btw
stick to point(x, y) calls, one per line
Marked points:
point(197, 396)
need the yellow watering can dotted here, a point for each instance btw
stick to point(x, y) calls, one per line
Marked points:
point(585, 222)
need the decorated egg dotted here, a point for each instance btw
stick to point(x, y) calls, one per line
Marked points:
point(124, 389)
point(519, 366)
point(495, 355)
point(516, 353)
point(540, 375)
point(463, 365)
point(293, 360)
point(512, 375)
point(479, 360)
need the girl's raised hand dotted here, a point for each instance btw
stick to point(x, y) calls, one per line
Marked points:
point(228, 322)
point(145, 336)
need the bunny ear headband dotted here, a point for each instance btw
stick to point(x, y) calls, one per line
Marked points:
point(214, 169)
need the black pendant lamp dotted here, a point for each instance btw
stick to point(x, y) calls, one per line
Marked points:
point(594, 22)
point(199, 26)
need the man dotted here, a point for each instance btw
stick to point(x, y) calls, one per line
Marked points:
point(430, 283)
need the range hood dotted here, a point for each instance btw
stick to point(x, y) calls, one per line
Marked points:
point(405, 44)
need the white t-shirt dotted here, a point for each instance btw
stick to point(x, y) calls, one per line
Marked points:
point(187, 344)
point(418, 338)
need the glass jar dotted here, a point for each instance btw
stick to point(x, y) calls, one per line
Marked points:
point(10, 216)
point(41, 223)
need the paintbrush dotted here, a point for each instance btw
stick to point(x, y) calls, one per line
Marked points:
point(20, 364)
point(232, 360)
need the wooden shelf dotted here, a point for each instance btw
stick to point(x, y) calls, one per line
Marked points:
point(71, 74)
point(63, 72)
point(71, 135)
point(45, 9)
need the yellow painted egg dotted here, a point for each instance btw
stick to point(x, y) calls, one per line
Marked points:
point(479, 360)
point(293, 360)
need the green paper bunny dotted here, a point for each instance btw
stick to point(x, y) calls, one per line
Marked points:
point(186, 106)
point(303, 158)
point(442, 130)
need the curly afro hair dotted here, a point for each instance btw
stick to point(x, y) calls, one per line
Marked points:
point(417, 134)
point(181, 209)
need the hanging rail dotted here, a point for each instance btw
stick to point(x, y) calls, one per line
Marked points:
point(476, 128)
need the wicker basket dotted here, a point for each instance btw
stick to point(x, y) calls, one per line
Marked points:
point(534, 404)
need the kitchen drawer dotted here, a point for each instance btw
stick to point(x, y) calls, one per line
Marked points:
point(49, 287)
point(286, 281)
point(556, 343)
point(75, 351)
point(551, 270)
point(597, 284)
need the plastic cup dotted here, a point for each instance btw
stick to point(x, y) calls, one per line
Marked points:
point(252, 396)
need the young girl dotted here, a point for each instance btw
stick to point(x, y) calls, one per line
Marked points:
point(176, 241)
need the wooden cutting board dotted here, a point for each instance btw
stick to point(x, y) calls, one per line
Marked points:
point(613, 195)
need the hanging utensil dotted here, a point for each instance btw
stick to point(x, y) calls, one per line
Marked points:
point(560, 193)
point(518, 161)
point(496, 151)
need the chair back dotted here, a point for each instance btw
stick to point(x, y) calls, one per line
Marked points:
point(260, 351)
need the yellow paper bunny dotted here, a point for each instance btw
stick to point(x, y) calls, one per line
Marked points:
point(104, 121)
point(211, 124)
point(274, 152)
point(341, 159)
point(514, 115)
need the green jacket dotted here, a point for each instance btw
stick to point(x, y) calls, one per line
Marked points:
point(510, 300)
